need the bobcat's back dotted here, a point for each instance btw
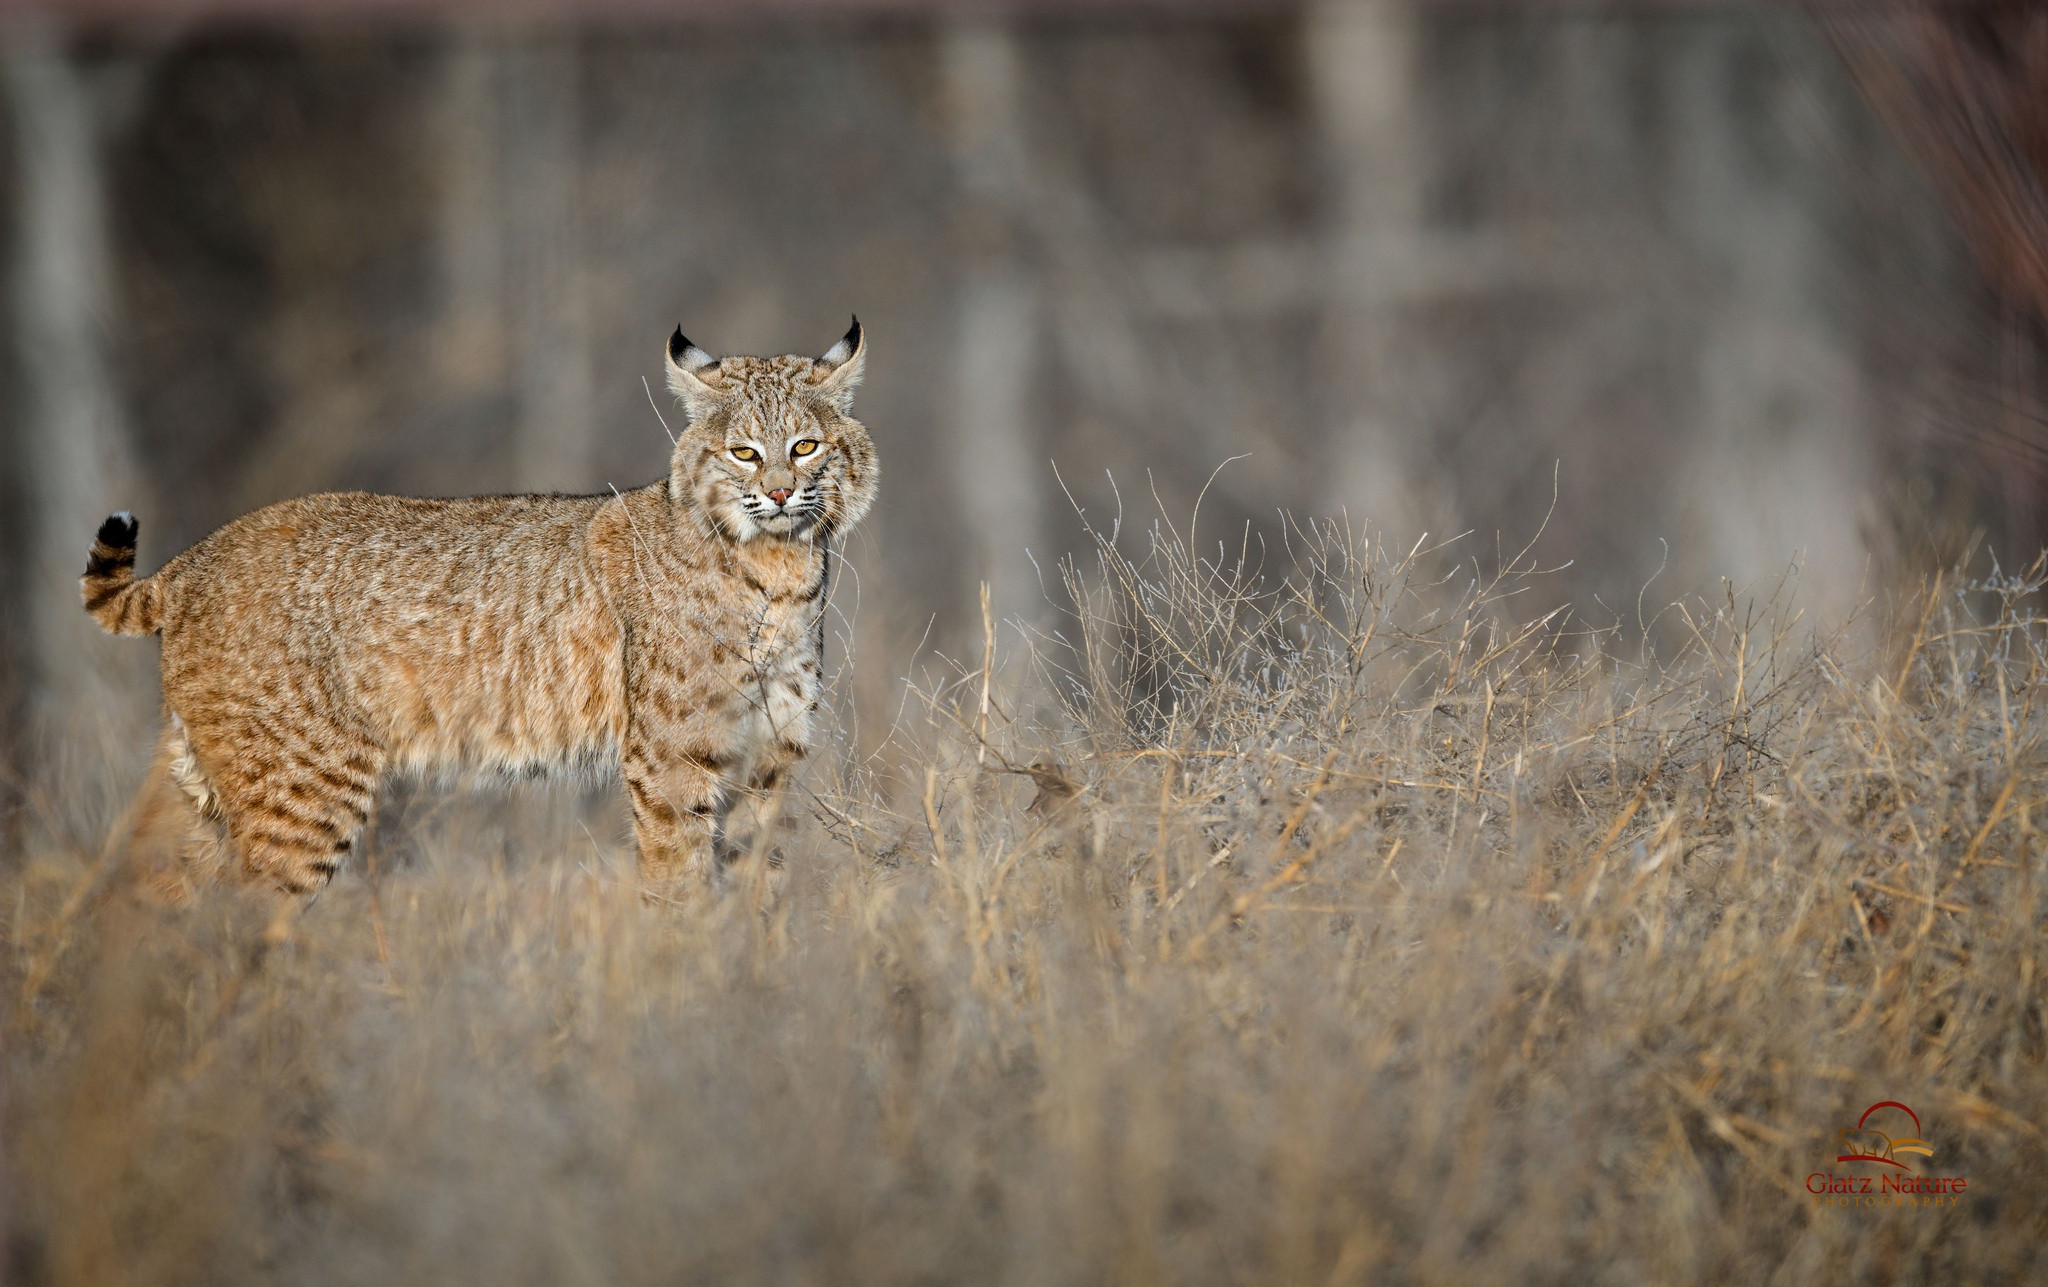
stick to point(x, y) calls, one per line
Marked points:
point(472, 632)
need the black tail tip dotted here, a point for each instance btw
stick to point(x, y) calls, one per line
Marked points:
point(118, 532)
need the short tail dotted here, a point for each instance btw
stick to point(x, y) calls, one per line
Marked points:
point(120, 603)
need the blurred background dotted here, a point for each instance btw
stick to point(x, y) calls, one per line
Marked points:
point(1739, 288)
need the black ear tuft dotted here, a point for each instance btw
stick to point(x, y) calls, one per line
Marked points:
point(836, 357)
point(677, 346)
point(119, 531)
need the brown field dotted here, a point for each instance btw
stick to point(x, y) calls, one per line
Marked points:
point(1346, 932)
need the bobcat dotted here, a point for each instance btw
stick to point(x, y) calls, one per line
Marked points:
point(316, 645)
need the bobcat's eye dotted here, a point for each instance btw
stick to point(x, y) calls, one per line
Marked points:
point(803, 448)
point(747, 454)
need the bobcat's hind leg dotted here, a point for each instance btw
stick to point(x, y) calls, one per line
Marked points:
point(294, 813)
point(172, 837)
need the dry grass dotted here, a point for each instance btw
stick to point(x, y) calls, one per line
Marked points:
point(1343, 932)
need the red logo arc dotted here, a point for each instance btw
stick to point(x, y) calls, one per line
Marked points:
point(1888, 1103)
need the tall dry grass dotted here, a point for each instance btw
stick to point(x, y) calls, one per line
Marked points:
point(1353, 922)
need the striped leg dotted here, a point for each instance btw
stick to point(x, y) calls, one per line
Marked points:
point(294, 822)
point(679, 802)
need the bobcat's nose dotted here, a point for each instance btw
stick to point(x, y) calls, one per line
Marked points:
point(779, 495)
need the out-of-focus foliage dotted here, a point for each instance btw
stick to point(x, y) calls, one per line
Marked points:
point(1339, 930)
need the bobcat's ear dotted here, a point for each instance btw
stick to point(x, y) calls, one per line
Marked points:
point(839, 370)
point(693, 374)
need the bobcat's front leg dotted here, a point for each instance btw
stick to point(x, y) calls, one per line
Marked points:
point(758, 812)
point(675, 777)
point(679, 800)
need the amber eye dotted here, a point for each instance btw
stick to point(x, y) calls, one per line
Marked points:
point(745, 453)
point(804, 448)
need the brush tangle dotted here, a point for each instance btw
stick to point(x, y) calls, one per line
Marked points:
point(317, 645)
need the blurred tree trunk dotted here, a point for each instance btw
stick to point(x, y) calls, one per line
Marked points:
point(1779, 420)
point(516, 312)
point(1361, 56)
point(541, 200)
point(470, 250)
point(995, 468)
point(87, 691)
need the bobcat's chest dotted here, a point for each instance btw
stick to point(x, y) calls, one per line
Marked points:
point(778, 697)
point(779, 671)
point(722, 643)
point(765, 650)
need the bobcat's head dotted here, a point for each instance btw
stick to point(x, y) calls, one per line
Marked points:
point(772, 448)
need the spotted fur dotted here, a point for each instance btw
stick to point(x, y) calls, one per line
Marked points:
point(314, 647)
